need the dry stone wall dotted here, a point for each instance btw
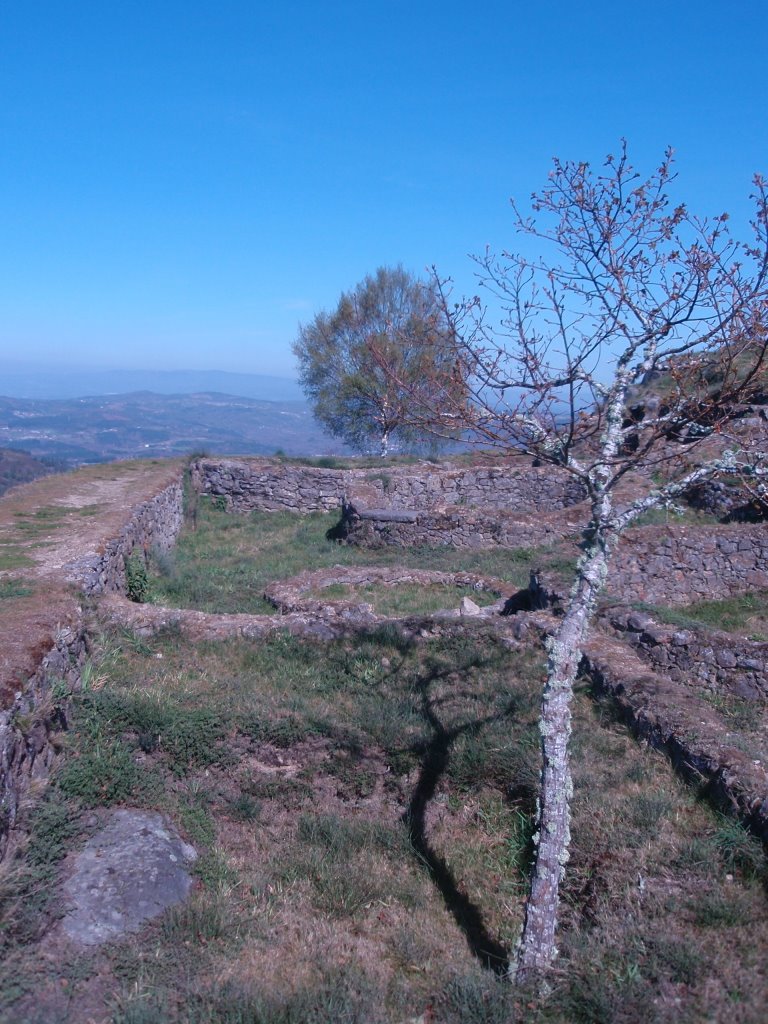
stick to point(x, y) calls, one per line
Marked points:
point(509, 505)
point(514, 486)
point(26, 750)
point(681, 565)
point(514, 506)
point(247, 485)
point(672, 717)
point(154, 525)
point(455, 527)
point(708, 659)
point(678, 565)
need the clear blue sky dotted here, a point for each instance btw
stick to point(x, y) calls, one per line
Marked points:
point(183, 181)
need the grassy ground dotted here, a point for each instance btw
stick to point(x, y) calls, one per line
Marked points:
point(404, 599)
point(682, 516)
point(363, 814)
point(459, 458)
point(224, 565)
point(13, 557)
point(744, 614)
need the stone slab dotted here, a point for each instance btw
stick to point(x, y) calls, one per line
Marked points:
point(130, 871)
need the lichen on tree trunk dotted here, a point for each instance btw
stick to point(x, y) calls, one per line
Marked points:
point(537, 946)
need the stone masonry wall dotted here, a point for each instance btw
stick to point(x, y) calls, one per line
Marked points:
point(511, 505)
point(514, 486)
point(457, 527)
point(268, 486)
point(681, 565)
point(705, 658)
point(26, 750)
point(155, 524)
point(254, 484)
point(26, 727)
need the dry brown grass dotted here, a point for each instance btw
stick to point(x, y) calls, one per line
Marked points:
point(364, 830)
point(363, 812)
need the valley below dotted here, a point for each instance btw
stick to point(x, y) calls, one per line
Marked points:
point(145, 424)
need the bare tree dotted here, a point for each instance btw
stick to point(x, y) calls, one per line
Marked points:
point(638, 287)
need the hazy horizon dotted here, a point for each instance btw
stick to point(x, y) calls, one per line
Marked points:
point(83, 382)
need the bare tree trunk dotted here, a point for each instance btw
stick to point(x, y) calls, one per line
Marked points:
point(537, 949)
point(384, 444)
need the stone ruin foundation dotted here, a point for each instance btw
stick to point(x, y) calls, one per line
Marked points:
point(656, 674)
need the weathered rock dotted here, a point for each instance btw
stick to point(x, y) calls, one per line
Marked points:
point(638, 622)
point(129, 872)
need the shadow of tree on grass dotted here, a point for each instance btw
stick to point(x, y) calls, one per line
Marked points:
point(435, 758)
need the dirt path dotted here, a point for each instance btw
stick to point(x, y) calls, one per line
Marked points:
point(45, 526)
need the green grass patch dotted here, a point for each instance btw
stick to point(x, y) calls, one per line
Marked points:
point(10, 588)
point(226, 562)
point(187, 736)
point(103, 775)
point(86, 511)
point(42, 520)
point(678, 516)
point(404, 599)
point(745, 614)
point(13, 558)
point(28, 893)
point(364, 812)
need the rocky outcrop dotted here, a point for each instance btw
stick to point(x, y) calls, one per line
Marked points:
point(726, 500)
point(130, 871)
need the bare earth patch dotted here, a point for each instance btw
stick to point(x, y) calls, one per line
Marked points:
point(53, 522)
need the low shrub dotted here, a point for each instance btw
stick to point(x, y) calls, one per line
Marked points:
point(136, 579)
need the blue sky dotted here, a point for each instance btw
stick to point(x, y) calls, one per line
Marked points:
point(181, 183)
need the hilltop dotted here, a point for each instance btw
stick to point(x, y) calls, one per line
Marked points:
point(336, 748)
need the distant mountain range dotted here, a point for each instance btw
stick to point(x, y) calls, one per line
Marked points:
point(19, 382)
point(145, 424)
